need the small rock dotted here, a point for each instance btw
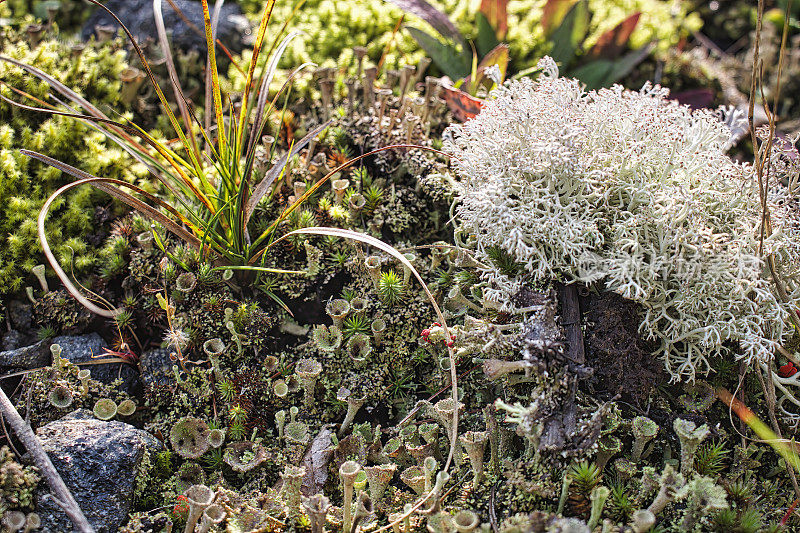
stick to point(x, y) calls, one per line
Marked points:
point(98, 462)
point(82, 348)
point(137, 15)
point(20, 313)
point(156, 367)
point(12, 340)
point(28, 357)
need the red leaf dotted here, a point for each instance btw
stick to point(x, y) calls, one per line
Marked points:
point(613, 42)
point(463, 106)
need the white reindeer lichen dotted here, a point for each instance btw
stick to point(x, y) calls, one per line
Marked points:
point(635, 192)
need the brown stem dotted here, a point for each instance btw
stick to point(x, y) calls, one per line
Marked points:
point(45, 465)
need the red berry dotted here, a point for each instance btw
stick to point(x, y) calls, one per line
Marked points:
point(788, 370)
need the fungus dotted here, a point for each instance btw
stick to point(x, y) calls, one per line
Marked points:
point(297, 432)
point(644, 430)
point(643, 520)
point(356, 203)
point(703, 496)
point(308, 371)
point(244, 456)
point(199, 497)
point(411, 257)
point(395, 451)
point(339, 187)
point(216, 437)
point(599, 495)
point(213, 348)
point(189, 437)
point(60, 397)
point(189, 474)
point(292, 481)
point(316, 508)
point(186, 282)
point(370, 75)
point(360, 52)
point(475, 445)
point(373, 264)
point(38, 271)
point(379, 478)
point(280, 388)
point(292, 384)
point(299, 188)
point(55, 351)
point(13, 521)
point(212, 516)
point(347, 473)
point(32, 522)
point(607, 447)
point(132, 80)
point(271, 364)
point(439, 252)
point(327, 338)
point(353, 405)
point(358, 349)
point(625, 468)
point(338, 309)
point(429, 468)
point(420, 451)
point(670, 482)
point(690, 437)
point(358, 306)
point(378, 327)
point(363, 510)
point(105, 409)
point(280, 422)
point(83, 377)
point(414, 477)
point(444, 411)
point(466, 521)
point(497, 368)
point(126, 408)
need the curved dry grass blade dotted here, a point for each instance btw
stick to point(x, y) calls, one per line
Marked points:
point(165, 152)
point(372, 241)
point(272, 174)
point(133, 202)
point(100, 183)
point(173, 74)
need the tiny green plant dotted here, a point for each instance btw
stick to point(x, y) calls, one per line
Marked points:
point(211, 175)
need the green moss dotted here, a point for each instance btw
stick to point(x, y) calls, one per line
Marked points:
point(25, 184)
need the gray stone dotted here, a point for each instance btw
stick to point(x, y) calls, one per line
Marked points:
point(27, 357)
point(20, 313)
point(156, 367)
point(137, 15)
point(83, 348)
point(98, 462)
point(12, 340)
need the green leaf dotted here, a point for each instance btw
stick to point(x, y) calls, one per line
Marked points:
point(625, 64)
point(487, 39)
point(593, 74)
point(454, 64)
point(569, 35)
